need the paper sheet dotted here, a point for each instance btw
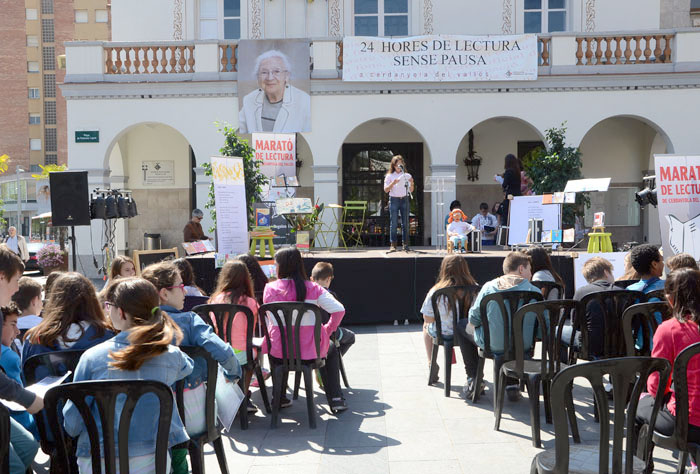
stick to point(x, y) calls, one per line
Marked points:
point(40, 388)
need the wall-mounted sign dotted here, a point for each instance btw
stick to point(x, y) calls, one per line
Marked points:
point(158, 173)
point(87, 136)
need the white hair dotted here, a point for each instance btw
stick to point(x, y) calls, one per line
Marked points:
point(273, 53)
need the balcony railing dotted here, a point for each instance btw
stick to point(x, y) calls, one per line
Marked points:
point(557, 53)
point(623, 49)
point(150, 59)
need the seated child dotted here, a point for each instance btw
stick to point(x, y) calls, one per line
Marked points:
point(458, 229)
point(30, 304)
point(11, 364)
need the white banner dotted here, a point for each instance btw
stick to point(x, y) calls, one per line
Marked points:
point(231, 212)
point(678, 195)
point(277, 151)
point(440, 58)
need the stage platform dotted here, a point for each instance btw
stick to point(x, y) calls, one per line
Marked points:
point(380, 287)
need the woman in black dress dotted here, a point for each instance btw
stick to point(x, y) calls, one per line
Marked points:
point(511, 184)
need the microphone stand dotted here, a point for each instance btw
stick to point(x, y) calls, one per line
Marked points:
point(407, 186)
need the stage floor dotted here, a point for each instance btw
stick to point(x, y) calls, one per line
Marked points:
point(415, 252)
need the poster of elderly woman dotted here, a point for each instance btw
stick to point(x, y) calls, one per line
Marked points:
point(273, 86)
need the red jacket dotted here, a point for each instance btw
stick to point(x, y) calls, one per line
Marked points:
point(193, 232)
point(670, 339)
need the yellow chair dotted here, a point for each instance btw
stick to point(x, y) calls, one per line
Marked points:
point(353, 222)
point(599, 241)
point(259, 236)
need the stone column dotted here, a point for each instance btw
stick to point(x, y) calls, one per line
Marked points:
point(326, 187)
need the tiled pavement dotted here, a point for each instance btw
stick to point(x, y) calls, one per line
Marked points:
point(396, 423)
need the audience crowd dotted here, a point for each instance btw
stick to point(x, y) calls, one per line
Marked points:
point(134, 327)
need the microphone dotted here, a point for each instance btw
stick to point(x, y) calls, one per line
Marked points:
point(401, 168)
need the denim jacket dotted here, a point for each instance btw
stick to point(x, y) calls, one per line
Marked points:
point(88, 339)
point(167, 367)
point(195, 332)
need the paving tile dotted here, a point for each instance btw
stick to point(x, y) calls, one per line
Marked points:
point(364, 432)
point(422, 467)
point(419, 446)
point(365, 460)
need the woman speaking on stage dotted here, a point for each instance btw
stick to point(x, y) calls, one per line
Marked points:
point(399, 184)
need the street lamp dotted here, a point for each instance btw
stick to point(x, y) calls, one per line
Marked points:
point(19, 170)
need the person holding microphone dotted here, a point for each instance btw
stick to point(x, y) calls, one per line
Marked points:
point(399, 185)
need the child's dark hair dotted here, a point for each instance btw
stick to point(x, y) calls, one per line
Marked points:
point(48, 284)
point(514, 260)
point(291, 265)
point(683, 289)
point(256, 274)
point(29, 289)
point(10, 263)
point(234, 278)
point(539, 259)
point(455, 205)
point(322, 271)
point(152, 330)
point(10, 309)
point(643, 256)
point(682, 260)
point(187, 273)
point(161, 274)
point(73, 299)
point(116, 268)
point(483, 205)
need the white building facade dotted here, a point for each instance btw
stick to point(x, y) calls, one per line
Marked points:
point(622, 74)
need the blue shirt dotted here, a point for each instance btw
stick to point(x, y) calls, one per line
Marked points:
point(195, 332)
point(168, 367)
point(647, 286)
point(11, 364)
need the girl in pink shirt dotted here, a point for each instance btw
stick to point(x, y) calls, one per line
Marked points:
point(293, 285)
point(682, 290)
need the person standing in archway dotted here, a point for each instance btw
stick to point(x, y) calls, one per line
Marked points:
point(399, 184)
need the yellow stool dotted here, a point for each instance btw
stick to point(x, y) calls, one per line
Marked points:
point(599, 241)
point(262, 235)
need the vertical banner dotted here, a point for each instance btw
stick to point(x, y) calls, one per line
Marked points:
point(678, 195)
point(277, 151)
point(231, 212)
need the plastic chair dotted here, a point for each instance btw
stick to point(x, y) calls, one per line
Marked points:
point(292, 316)
point(212, 435)
point(642, 317)
point(104, 394)
point(550, 318)
point(679, 439)
point(451, 294)
point(658, 295)
point(514, 300)
point(260, 241)
point(625, 283)
point(624, 373)
point(609, 304)
point(599, 241)
point(353, 222)
point(547, 286)
point(38, 366)
point(222, 325)
point(192, 301)
point(4, 440)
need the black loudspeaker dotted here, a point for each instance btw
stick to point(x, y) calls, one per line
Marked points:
point(70, 199)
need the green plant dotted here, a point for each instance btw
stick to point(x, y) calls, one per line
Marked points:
point(551, 168)
point(306, 221)
point(235, 146)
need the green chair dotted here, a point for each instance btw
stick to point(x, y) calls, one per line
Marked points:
point(326, 232)
point(262, 240)
point(353, 222)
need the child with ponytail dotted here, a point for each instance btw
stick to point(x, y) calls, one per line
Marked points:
point(682, 289)
point(141, 351)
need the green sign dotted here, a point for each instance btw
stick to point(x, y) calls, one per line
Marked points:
point(87, 136)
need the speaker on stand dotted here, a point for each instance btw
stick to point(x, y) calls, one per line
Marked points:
point(70, 203)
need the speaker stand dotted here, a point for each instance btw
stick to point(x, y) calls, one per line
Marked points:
point(73, 249)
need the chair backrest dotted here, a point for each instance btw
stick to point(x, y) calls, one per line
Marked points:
point(104, 394)
point(624, 373)
point(4, 440)
point(291, 315)
point(508, 303)
point(625, 283)
point(212, 430)
point(222, 322)
point(605, 308)
point(452, 295)
point(354, 211)
point(641, 317)
point(547, 286)
point(38, 366)
point(680, 389)
point(192, 301)
point(656, 295)
point(551, 315)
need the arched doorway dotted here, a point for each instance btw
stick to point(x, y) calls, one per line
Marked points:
point(153, 161)
point(491, 140)
point(623, 148)
point(364, 160)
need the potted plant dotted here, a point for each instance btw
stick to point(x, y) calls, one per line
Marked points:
point(51, 258)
